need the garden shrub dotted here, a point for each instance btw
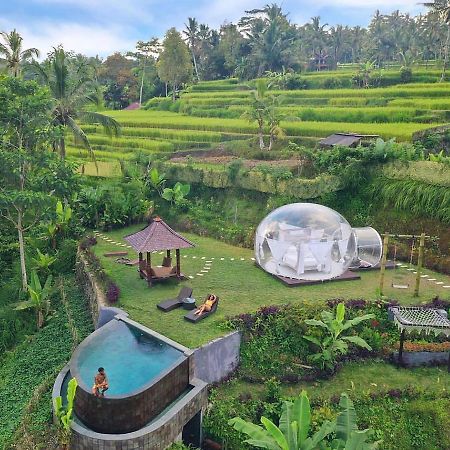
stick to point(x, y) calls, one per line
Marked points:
point(427, 423)
point(283, 327)
point(405, 75)
point(112, 292)
point(66, 256)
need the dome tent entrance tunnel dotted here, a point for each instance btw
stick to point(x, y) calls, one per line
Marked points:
point(304, 243)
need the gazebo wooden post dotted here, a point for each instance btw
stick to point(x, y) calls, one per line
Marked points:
point(177, 252)
point(400, 350)
point(140, 264)
point(149, 268)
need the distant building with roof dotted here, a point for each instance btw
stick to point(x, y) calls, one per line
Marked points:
point(347, 139)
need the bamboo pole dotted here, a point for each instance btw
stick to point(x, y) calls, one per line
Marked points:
point(419, 264)
point(383, 261)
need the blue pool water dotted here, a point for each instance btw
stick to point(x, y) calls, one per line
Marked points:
point(130, 358)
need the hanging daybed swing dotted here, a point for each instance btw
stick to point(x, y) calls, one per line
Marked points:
point(419, 319)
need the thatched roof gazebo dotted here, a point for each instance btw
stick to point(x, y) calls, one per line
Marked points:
point(155, 237)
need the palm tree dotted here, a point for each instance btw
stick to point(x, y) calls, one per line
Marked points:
point(191, 33)
point(12, 54)
point(317, 39)
point(71, 89)
point(442, 8)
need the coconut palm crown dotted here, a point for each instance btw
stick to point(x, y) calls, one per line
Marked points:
point(72, 89)
point(12, 54)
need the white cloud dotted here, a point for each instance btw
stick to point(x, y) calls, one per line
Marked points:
point(89, 39)
point(106, 10)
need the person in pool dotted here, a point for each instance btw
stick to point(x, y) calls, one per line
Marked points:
point(100, 383)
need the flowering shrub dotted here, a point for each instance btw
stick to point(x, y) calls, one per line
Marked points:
point(282, 327)
point(112, 292)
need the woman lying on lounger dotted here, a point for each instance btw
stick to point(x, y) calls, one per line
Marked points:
point(209, 302)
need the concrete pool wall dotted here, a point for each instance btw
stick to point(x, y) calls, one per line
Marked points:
point(168, 427)
point(130, 412)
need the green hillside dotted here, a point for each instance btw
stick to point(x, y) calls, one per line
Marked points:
point(210, 113)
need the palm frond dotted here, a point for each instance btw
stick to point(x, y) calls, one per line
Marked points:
point(29, 53)
point(110, 125)
point(4, 50)
point(79, 136)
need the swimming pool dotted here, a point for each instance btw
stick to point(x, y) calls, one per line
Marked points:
point(145, 370)
point(130, 358)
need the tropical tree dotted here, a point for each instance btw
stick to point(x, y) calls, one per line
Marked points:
point(144, 52)
point(263, 110)
point(270, 38)
point(72, 88)
point(192, 35)
point(39, 298)
point(333, 342)
point(294, 429)
point(12, 53)
point(174, 65)
point(442, 9)
point(25, 134)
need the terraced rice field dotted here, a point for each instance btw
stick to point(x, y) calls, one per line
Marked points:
point(210, 113)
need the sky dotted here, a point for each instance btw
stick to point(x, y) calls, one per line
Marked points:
point(100, 27)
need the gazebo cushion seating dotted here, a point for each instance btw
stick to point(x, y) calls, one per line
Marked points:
point(173, 303)
point(162, 272)
point(194, 318)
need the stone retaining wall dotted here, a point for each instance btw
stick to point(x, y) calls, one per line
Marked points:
point(90, 287)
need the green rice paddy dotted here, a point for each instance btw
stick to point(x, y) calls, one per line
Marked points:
point(210, 112)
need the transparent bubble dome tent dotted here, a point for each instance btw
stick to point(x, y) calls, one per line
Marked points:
point(306, 241)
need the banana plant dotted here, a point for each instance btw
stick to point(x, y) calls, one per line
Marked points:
point(334, 343)
point(177, 193)
point(39, 298)
point(63, 216)
point(156, 180)
point(64, 412)
point(43, 261)
point(348, 437)
point(293, 430)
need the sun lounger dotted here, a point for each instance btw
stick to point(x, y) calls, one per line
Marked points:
point(192, 317)
point(173, 303)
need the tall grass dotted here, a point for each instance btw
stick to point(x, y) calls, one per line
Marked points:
point(420, 198)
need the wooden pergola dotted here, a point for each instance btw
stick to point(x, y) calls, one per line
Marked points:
point(158, 236)
point(420, 319)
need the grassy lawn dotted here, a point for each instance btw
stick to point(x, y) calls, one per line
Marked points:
point(241, 286)
point(362, 377)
